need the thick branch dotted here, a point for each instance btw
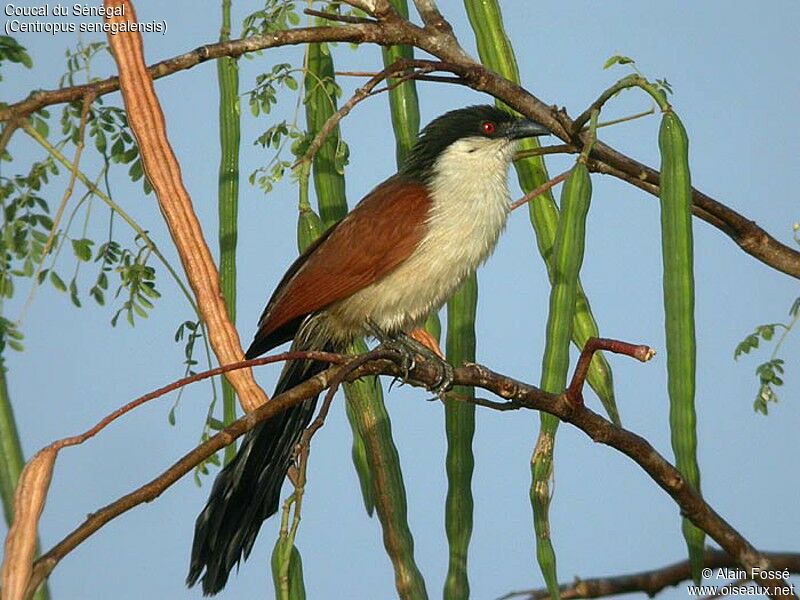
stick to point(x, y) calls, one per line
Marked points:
point(744, 232)
point(431, 15)
point(349, 33)
point(653, 581)
point(394, 30)
point(519, 395)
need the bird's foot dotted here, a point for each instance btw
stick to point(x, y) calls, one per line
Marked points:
point(445, 375)
point(408, 348)
point(397, 344)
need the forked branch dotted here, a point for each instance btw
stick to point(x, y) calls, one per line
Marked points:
point(518, 395)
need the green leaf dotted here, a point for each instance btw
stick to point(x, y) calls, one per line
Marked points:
point(83, 249)
point(747, 344)
point(618, 59)
point(766, 331)
point(73, 293)
point(57, 282)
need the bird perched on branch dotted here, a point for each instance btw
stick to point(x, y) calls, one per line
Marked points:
point(395, 258)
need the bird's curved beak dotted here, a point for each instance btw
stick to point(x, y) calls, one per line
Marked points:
point(524, 128)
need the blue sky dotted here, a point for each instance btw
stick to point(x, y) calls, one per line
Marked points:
point(736, 87)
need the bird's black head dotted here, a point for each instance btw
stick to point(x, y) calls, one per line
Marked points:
point(482, 121)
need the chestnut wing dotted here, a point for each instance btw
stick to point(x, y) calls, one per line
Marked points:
point(374, 238)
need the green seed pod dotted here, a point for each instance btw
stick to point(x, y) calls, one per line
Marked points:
point(361, 388)
point(677, 253)
point(567, 259)
point(460, 429)
point(496, 52)
point(368, 416)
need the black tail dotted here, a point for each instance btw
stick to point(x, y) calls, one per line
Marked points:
point(247, 490)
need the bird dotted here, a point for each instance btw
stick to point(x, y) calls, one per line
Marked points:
point(378, 272)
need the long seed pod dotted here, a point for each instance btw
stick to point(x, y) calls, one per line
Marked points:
point(12, 462)
point(370, 420)
point(404, 107)
point(330, 189)
point(321, 104)
point(365, 390)
point(460, 428)
point(403, 100)
point(567, 261)
point(229, 134)
point(677, 252)
point(496, 52)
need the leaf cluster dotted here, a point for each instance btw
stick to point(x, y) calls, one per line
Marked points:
point(13, 51)
point(770, 372)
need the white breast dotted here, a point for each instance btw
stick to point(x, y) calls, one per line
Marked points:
point(469, 211)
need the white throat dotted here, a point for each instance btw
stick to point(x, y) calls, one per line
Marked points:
point(471, 200)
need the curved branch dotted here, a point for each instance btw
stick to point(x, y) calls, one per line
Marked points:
point(653, 581)
point(518, 394)
point(392, 30)
point(347, 33)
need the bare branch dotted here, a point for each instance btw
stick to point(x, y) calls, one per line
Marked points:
point(393, 30)
point(362, 93)
point(336, 17)
point(638, 351)
point(373, 33)
point(430, 13)
point(653, 581)
point(520, 395)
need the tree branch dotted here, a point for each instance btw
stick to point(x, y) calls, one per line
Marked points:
point(653, 581)
point(519, 394)
point(392, 30)
point(346, 33)
point(431, 15)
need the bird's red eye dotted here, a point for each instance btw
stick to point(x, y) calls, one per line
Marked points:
point(488, 127)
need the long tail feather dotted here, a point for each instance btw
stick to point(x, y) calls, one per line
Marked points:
point(247, 491)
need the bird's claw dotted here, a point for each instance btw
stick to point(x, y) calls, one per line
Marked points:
point(407, 360)
point(407, 348)
point(445, 379)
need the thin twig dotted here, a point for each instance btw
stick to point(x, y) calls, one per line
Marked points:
point(633, 117)
point(8, 131)
point(73, 175)
point(253, 362)
point(640, 352)
point(341, 375)
point(338, 18)
point(692, 505)
point(538, 191)
point(362, 93)
point(542, 150)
